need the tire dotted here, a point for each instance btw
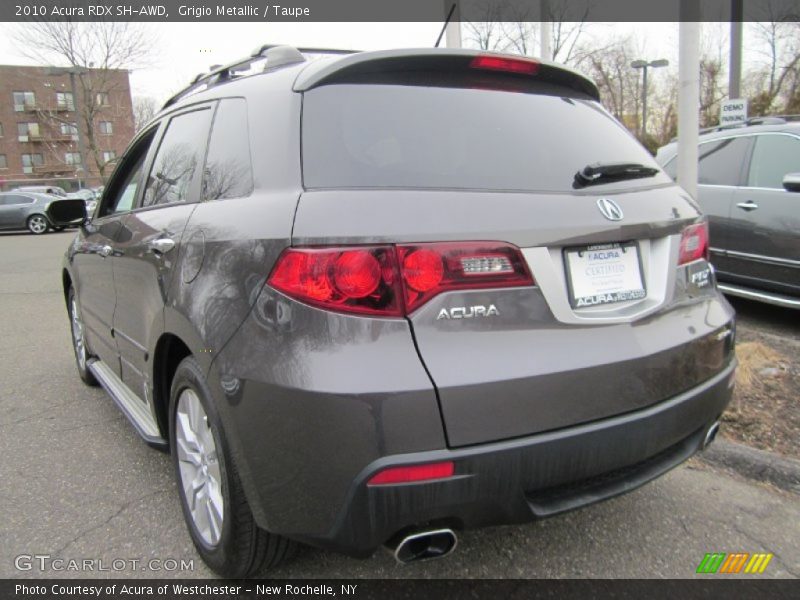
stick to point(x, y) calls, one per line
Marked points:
point(79, 347)
point(37, 224)
point(235, 547)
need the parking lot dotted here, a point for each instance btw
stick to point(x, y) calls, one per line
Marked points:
point(79, 484)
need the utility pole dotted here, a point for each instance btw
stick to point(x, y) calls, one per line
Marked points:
point(544, 30)
point(453, 29)
point(643, 65)
point(735, 70)
point(688, 95)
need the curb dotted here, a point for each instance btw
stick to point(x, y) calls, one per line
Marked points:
point(755, 464)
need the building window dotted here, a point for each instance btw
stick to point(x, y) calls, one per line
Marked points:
point(64, 100)
point(70, 129)
point(24, 101)
point(3, 161)
point(1, 130)
point(25, 131)
point(72, 158)
point(109, 155)
point(101, 99)
point(106, 128)
point(29, 161)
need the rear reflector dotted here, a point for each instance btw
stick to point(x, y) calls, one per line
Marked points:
point(509, 65)
point(394, 281)
point(694, 243)
point(413, 473)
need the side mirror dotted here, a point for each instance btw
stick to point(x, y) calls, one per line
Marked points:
point(791, 182)
point(67, 212)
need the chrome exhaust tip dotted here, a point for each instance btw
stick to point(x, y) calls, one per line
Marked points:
point(710, 434)
point(425, 545)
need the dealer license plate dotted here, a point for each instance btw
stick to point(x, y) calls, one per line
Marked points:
point(604, 274)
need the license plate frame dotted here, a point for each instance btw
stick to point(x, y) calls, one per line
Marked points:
point(615, 295)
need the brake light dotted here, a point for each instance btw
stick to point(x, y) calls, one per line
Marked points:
point(413, 473)
point(394, 281)
point(510, 65)
point(694, 243)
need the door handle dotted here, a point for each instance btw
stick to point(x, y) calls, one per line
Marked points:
point(161, 246)
point(749, 205)
point(105, 251)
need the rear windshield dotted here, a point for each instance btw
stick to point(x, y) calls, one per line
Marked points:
point(392, 136)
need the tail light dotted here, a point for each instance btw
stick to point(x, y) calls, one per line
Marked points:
point(394, 281)
point(694, 243)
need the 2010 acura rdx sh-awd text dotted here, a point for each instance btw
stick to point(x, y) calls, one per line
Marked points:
point(377, 298)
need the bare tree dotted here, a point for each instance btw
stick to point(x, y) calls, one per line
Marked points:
point(778, 77)
point(89, 53)
point(144, 109)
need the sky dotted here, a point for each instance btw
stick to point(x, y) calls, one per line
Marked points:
point(186, 49)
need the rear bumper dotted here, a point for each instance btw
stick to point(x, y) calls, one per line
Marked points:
point(532, 477)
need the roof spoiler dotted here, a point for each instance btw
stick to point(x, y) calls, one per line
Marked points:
point(363, 64)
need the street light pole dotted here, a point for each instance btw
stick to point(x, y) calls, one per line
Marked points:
point(643, 65)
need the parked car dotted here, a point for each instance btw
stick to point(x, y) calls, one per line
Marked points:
point(26, 210)
point(749, 186)
point(53, 190)
point(378, 298)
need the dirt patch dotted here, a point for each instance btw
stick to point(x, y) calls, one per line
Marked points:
point(765, 410)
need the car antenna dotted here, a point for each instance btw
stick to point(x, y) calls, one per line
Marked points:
point(446, 22)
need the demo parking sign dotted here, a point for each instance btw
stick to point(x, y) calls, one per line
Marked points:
point(733, 111)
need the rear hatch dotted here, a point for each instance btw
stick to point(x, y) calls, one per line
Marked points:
point(414, 157)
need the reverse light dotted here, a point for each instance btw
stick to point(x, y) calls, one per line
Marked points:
point(694, 243)
point(510, 65)
point(410, 474)
point(394, 281)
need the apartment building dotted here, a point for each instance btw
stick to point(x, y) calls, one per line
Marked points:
point(62, 126)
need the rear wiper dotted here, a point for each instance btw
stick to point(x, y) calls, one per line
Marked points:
point(608, 172)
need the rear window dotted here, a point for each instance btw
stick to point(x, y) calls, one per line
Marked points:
point(390, 136)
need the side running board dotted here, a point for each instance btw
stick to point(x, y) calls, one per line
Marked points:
point(130, 405)
point(761, 296)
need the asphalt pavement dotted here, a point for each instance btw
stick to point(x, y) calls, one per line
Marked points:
point(78, 484)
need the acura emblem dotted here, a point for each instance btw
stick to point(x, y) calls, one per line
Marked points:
point(610, 209)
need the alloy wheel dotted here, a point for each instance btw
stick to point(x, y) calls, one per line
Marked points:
point(199, 467)
point(37, 224)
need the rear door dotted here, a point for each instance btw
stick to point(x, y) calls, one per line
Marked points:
point(721, 168)
point(13, 210)
point(765, 252)
point(149, 241)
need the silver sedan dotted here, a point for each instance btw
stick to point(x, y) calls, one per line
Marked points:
point(26, 210)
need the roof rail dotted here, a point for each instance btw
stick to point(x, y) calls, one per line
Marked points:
point(276, 56)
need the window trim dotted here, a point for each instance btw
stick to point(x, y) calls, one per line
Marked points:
point(164, 125)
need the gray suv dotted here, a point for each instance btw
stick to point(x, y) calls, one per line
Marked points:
point(378, 298)
point(749, 187)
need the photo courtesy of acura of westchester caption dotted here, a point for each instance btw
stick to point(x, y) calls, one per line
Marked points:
point(380, 297)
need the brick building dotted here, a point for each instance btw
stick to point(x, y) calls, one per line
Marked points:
point(62, 126)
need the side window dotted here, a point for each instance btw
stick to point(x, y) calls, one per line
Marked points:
point(120, 193)
point(228, 172)
point(13, 199)
point(175, 176)
point(773, 157)
point(721, 161)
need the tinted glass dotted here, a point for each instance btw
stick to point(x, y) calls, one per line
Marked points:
point(176, 170)
point(721, 161)
point(15, 199)
point(773, 157)
point(228, 172)
point(120, 193)
point(427, 137)
point(671, 168)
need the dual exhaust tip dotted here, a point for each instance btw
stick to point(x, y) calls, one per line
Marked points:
point(711, 434)
point(424, 545)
